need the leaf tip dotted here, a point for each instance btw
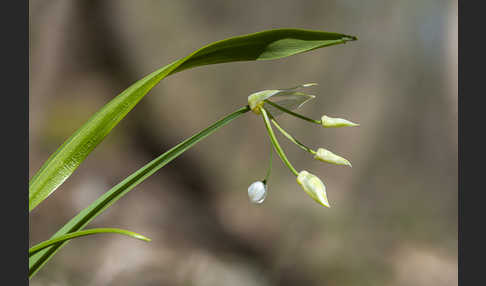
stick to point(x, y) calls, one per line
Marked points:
point(348, 38)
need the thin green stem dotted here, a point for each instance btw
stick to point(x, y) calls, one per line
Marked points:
point(274, 141)
point(38, 247)
point(114, 194)
point(269, 170)
point(291, 138)
point(293, 113)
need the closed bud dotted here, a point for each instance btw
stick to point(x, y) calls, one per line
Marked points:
point(314, 187)
point(329, 157)
point(257, 192)
point(327, 121)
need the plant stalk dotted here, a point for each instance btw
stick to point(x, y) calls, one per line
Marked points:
point(77, 223)
point(293, 113)
point(274, 141)
point(291, 138)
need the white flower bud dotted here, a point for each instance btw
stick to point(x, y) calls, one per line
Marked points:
point(327, 121)
point(257, 192)
point(314, 187)
point(329, 157)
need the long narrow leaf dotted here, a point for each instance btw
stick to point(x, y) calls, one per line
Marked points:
point(265, 45)
point(102, 203)
point(38, 247)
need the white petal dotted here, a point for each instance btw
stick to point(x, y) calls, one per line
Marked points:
point(257, 192)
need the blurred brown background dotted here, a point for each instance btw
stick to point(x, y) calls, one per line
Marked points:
point(394, 214)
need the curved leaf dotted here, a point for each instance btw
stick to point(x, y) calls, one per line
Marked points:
point(107, 199)
point(38, 247)
point(265, 45)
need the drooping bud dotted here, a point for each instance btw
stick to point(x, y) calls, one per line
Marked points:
point(327, 121)
point(329, 157)
point(257, 192)
point(314, 187)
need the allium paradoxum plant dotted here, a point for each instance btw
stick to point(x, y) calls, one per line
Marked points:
point(265, 45)
point(284, 101)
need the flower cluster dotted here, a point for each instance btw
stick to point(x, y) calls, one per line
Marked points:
point(284, 101)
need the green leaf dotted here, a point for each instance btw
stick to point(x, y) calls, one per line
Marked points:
point(265, 45)
point(38, 247)
point(102, 203)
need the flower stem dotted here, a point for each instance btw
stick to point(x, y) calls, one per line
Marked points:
point(274, 141)
point(293, 113)
point(291, 138)
point(269, 170)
